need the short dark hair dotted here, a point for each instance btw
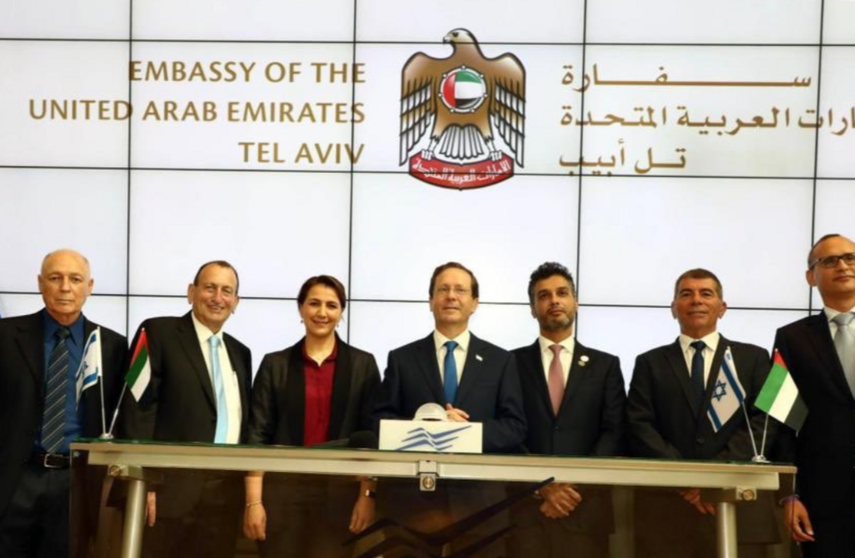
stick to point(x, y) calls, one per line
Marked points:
point(326, 281)
point(545, 271)
point(453, 265)
point(220, 263)
point(699, 273)
point(817, 243)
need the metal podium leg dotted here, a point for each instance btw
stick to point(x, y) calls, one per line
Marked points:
point(725, 530)
point(138, 480)
point(132, 533)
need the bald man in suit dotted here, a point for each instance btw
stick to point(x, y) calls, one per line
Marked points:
point(34, 457)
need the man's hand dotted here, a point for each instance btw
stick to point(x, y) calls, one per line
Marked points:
point(456, 415)
point(693, 496)
point(559, 500)
point(797, 520)
point(151, 509)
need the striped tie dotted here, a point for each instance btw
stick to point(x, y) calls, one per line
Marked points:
point(53, 418)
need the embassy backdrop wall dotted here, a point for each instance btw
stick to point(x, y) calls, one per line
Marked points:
point(657, 136)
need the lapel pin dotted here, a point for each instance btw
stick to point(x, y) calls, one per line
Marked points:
point(478, 358)
point(583, 360)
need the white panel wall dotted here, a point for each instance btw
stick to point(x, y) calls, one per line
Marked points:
point(766, 168)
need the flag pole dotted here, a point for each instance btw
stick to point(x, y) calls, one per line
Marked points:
point(758, 456)
point(104, 434)
point(109, 434)
point(765, 429)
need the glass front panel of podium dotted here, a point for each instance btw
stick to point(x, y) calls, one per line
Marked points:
point(421, 504)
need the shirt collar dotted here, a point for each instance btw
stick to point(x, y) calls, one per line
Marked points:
point(76, 329)
point(831, 313)
point(462, 340)
point(711, 341)
point(203, 332)
point(331, 357)
point(568, 343)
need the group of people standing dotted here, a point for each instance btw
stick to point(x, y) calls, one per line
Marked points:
point(554, 397)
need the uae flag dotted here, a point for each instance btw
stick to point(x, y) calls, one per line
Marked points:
point(463, 89)
point(780, 397)
point(139, 374)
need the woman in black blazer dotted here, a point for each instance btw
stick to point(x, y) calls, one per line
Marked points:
point(319, 390)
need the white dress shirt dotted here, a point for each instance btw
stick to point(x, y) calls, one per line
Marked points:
point(566, 355)
point(711, 341)
point(230, 377)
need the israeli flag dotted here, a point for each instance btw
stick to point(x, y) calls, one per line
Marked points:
point(90, 365)
point(727, 395)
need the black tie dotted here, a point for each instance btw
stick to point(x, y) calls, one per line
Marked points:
point(698, 370)
point(56, 391)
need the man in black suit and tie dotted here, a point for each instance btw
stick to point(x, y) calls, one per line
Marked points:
point(199, 389)
point(472, 379)
point(39, 358)
point(669, 398)
point(575, 404)
point(819, 352)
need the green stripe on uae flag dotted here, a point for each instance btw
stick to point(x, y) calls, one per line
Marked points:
point(780, 397)
point(139, 374)
point(463, 89)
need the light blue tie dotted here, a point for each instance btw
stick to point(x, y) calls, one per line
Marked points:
point(221, 436)
point(844, 342)
point(450, 374)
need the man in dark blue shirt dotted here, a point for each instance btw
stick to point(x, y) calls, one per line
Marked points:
point(39, 358)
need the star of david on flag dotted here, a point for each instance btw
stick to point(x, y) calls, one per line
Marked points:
point(728, 394)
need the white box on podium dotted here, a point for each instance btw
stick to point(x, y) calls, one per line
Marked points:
point(431, 436)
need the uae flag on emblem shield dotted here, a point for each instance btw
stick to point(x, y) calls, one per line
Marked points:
point(463, 90)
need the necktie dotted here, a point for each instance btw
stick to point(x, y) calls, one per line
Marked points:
point(221, 435)
point(56, 392)
point(698, 370)
point(556, 379)
point(844, 342)
point(450, 373)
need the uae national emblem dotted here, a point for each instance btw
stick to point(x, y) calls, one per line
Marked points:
point(465, 100)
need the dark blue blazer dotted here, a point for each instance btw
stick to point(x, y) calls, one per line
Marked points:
point(489, 390)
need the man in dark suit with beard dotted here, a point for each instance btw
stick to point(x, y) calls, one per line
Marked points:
point(39, 358)
point(669, 399)
point(575, 405)
point(199, 392)
point(819, 352)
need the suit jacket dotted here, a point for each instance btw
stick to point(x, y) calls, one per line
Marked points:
point(665, 421)
point(277, 414)
point(489, 390)
point(179, 404)
point(22, 379)
point(824, 451)
point(590, 422)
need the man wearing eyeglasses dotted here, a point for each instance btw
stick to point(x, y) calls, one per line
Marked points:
point(474, 381)
point(819, 352)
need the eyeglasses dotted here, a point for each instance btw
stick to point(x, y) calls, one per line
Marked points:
point(445, 290)
point(829, 262)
